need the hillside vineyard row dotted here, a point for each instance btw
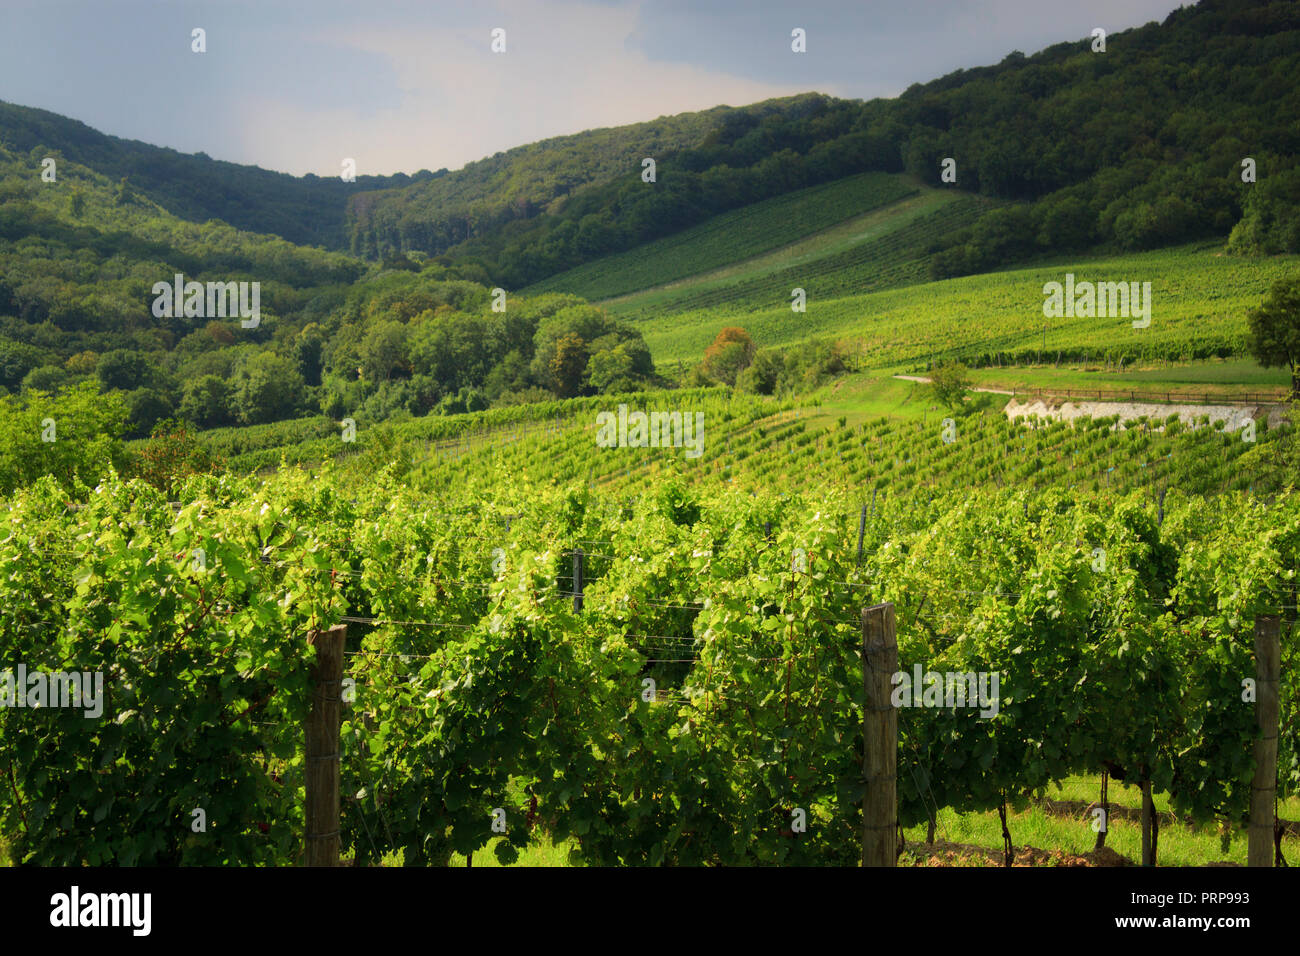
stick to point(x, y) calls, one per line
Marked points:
point(709, 687)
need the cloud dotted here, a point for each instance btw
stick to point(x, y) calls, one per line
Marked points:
point(402, 85)
point(567, 68)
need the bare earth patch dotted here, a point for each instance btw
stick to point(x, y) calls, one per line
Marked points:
point(942, 853)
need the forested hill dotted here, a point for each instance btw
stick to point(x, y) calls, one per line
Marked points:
point(307, 210)
point(492, 194)
point(1135, 147)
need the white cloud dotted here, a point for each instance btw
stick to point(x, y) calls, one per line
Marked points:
point(567, 68)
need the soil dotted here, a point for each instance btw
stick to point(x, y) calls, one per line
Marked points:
point(941, 853)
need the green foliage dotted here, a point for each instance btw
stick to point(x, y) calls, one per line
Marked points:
point(123, 369)
point(46, 378)
point(170, 455)
point(504, 198)
point(205, 680)
point(731, 237)
point(729, 355)
point(73, 437)
point(265, 388)
point(914, 325)
point(307, 210)
point(801, 367)
point(949, 381)
point(1270, 222)
point(477, 686)
point(17, 361)
point(1275, 329)
point(206, 402)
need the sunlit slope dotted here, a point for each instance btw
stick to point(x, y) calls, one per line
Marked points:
point(882, 249)
point(1199, 298)
point(762, 444)
point(733, 236)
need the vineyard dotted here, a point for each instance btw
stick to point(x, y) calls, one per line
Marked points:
point(672, 696)
point(755, 443)
point(732, 236)
point(1199, 303)
point(889, 250)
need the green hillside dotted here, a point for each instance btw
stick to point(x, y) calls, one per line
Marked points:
point(308, 210)
point(496, 194)
point(891, 245)
point(868, 431)
point(80, 257)
point(732, 237)
point(1199, 302)
point(1136, 148)
point(652, 640)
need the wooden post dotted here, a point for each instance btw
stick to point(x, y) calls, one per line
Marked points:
point(322, 783)
point(879, 738)
point(1268, 649)
point(577, 579)
point(1150, 825)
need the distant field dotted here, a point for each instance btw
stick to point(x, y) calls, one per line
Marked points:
point(1200, 300)
point(883, 249)
point(731, 237)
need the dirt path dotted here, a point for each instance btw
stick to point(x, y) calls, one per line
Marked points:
point(925, 381)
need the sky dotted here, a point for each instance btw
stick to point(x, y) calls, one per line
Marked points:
point(404, 85)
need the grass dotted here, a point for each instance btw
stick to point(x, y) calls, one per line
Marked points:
point(1032, 824)
point(730, 237)
point(884, 248)
point(545, 853)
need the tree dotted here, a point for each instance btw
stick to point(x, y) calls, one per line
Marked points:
point(73, 436)
point(611, 371)
point(383, 351)
point(146, 407)
point(730, 354)
point(17, 359)
point(124, 369)
point(266, 388)
point(309, 353)
point(569, 365)
point(762, 375)
point(219, 332)
point(950, 382)
point(83, 363)
point(206, 402)
point(46, 378)
point(1275, 330)
point(171, 453)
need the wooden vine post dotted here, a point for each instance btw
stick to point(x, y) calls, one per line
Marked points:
point(1150, 823)
point(1263, 789)
point(879, 737)
point(322, 784)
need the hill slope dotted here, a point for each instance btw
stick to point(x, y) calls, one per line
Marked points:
point(732, 237)
point(1137, 147)
point(306, 210)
